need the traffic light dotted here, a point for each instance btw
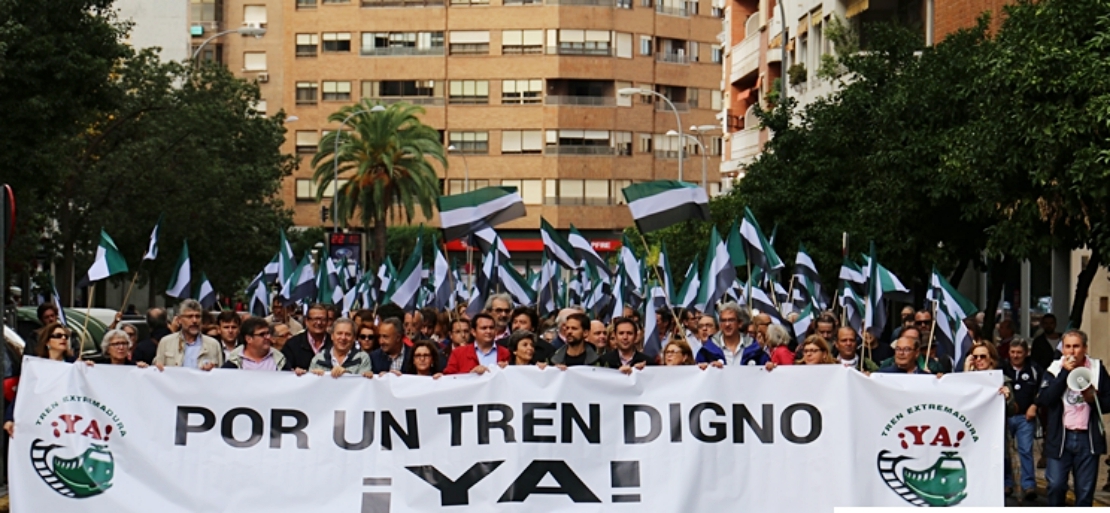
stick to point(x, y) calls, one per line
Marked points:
point(324, 214)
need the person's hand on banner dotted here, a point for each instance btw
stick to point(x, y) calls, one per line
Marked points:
point(368, 375)
point(503, 364)
point(9, 426)
point(479, 370)
point(337, 371)
point(299, 371)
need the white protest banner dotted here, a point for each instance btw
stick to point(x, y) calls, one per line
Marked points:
point(121, 439)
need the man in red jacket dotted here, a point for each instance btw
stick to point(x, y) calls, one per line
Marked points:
point(478, 357)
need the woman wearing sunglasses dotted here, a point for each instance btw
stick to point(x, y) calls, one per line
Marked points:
point(53, 345)
point(367, 337)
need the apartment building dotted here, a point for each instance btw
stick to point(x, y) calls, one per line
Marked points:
point(525, 91)
point(754, 57)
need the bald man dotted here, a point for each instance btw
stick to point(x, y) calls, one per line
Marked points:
point(599, 336)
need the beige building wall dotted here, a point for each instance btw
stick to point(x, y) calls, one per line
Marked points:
point(590, 142)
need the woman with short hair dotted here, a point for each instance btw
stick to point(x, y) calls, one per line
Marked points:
point(115, 348)
point(777, 344)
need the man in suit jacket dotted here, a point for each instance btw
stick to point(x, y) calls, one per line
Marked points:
point(483, 353)
point(302, 348)
point(392, 354)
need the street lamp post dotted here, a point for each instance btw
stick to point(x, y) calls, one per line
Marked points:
point(701, 129)
point(704, 157)
point(246, 31)
point(629, 91)
point(335, 163)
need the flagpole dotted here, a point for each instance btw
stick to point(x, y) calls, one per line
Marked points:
point(85, 326)
point(128, 294)
point(647, 251)
point(932, 332)
point(790, 290)
point(748, 299)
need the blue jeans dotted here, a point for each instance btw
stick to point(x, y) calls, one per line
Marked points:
point(1022, 430)
point(1080, 459)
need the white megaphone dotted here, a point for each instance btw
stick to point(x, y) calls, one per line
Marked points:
point(1080, 379)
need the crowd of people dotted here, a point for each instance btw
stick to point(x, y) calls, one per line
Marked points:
point(388, 340)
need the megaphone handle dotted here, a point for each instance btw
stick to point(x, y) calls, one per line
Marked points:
point(1098, 415)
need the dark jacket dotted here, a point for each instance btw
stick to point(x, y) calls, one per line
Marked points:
point(1051, 400)
point(1026, 383)
point(379, 361)
point(612, 359)
point(298, 352)
point(754, 355)
point(146, 349)
point(543, 350)
point(1042, 351)
point(560, 356)
point(710, 352)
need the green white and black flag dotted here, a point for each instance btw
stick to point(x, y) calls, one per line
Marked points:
point(179, 281)
point(108, 261)
point(662, 203)
point(463, 214)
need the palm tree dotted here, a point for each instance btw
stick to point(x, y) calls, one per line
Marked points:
point(386, 160)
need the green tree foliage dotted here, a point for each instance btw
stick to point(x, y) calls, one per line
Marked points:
point(387, 160)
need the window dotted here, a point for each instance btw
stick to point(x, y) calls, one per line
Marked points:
point(623, 100)
point(692, 7)
point(469, 91)
point(402, 3)
point(716, 145)
point(337, 1)
point(597, 192)
point(521, 141)
point(583, 42)
point(718, 12)
point(307, 141)
point(306, 93)
point(624, 45)
point(460, 3)
point(571, 192)
point(646, 98)
point(624, 4)
point(715, 100)
point(694, 49)
point(622, 142)
point(254, 61)
point(530, 190)
point(521, 91)
point(254, 15)
point(717, 54)
point(335, 91)
point(260, 107)
point(306, 189)
point(520, 42)
point(523, 2)
point(644, 141)
point(666, 146)
point(419, 92)
point(337, 41)
point(306, 4)
point(465, 42)
point(203, 10)
point(618, 188)
point(470, 142)
point(578, 142)
point(457, 186)
point(645, 45)
point(402, 43)
point(306, 45)
point(645, 3)
point(692, 96)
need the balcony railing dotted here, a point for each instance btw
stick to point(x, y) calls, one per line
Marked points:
point(548, 200)
point(469, 48)
point(574, 50)
point(662, 106)
point(403, 3)
point(415, 100)
point(400, 50)
point(580, 150)
point(744, 59)
point(598, 3)
point(589, 101)
point(673, 58)
point(672, 11)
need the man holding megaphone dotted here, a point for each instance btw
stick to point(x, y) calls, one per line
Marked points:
point(1072, 398)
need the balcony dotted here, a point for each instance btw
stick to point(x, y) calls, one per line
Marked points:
point(589, 151)
point(400, 51)
point(661, 106)
point(580, 101)
point(744, 147)
point(673, 58)
point(745, 59)
point(672, 11)
point(595, 3)
point(403, 3)
point(577, 50)
point(414, 100)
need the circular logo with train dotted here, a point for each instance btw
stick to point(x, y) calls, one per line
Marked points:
point(71, 451)
point(920, 460)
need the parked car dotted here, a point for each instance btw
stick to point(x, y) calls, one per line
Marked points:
point(89, 332)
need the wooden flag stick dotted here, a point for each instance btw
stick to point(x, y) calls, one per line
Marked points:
point(85, 326)
point(127, 296)
point(932, 333)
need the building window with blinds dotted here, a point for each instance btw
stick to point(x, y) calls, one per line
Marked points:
point(531, 191)
point(517, 92)
point(472, 92)
point(520, 142)
point(337, 91)
point(473, 143)
point(622, 143)
point(580, 42)
point(306, 93)
point(254, 61)
point(335, 42)
point(254, 15)
point(468, 42)
point(416, 92)
point(578, 142)
point(521, 42)
point(308, 141)
point(402, 43)
point(306, 45)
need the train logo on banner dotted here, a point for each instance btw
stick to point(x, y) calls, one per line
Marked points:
point(923, 465)
point(74, 460)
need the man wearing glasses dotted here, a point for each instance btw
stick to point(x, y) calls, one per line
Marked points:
point(906, 351)
point(280, 335)
point(256, 352)
point(500, 306)
point(189, 347)
point(301, 349)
